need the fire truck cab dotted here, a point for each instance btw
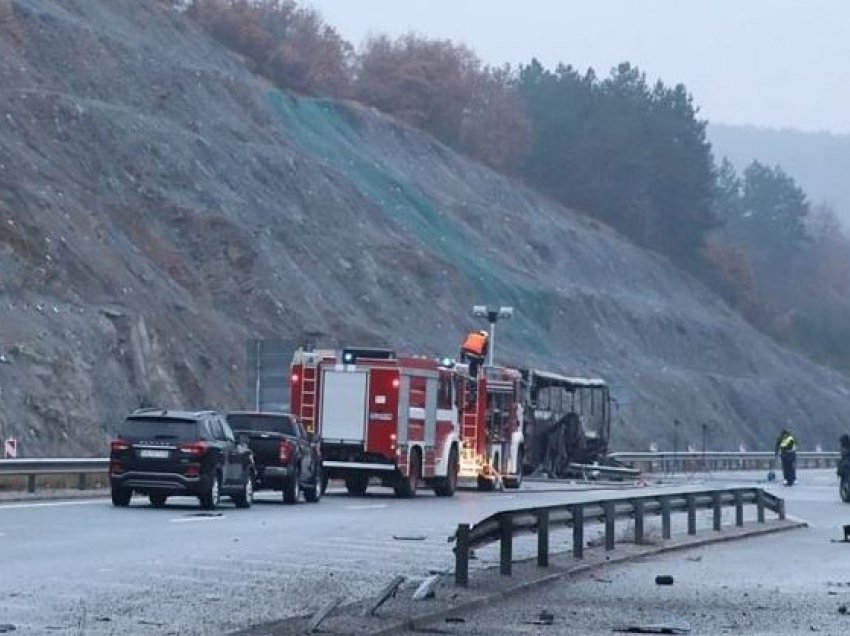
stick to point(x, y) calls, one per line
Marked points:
point(406, 420)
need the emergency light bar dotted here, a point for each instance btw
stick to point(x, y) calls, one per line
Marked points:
point(350, 355)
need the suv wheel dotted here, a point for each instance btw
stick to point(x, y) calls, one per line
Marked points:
point(314, 492)
point(211, 494)
point(290, 488)
point(246, 497)
point(157, 500)
point(121, 496)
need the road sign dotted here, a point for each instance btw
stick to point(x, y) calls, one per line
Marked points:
point(10, 449)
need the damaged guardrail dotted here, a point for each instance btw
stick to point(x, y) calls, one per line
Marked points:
point(667, 462)
point(31, 468)
point(504, 526)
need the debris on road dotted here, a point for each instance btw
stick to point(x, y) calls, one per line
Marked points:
point(842, 609)
point(544, 618)
point(695, 559)
point(414, 537)
point(322, 614)
point(455, 619)
point(664, 579)
point(426, 589)
point(388, 592)
point(7, 627)
point(673, 627)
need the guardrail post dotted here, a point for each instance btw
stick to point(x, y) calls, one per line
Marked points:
point(462, 555)
point(577, 512)
point(31, 483)
point(665, 517)
point(760, 505)
point(637, 504)
point(692, 513)
point(610, 510)
point(505, 544)
point(739, 508)
point(717, 505)
point(542, 538)
point(81, 481)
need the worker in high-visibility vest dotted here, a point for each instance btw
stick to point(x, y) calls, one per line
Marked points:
point(786, 448)
point(474, 350)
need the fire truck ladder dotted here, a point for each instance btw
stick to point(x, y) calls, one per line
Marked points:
point(308, 398)
point(469, 434)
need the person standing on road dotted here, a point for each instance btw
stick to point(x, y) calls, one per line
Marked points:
point(786, 448)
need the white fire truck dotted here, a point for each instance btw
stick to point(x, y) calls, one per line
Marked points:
point(407, 420)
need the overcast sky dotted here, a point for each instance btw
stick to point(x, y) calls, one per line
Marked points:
point(776, 63)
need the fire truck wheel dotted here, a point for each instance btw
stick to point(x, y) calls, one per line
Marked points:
point(445, 486)
point(515, 481)
point(486, 484)
point(356, 483)
point(406, 486)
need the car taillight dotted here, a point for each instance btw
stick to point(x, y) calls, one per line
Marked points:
point(195, 449)
point(285, 451)
point(115, 468)
point(118, 445)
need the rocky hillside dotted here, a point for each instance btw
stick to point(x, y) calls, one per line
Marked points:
point(159, 205)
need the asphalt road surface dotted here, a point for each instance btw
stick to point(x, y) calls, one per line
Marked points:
point(84, 567)
point(794, 582)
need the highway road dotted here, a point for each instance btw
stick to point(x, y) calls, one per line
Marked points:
point(84, 567)
point(793, 582)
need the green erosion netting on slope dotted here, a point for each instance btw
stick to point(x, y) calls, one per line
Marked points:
point(320, 129)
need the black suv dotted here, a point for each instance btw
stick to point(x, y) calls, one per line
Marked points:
point(162, 453)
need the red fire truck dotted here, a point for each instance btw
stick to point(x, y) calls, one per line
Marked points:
point(407, 420)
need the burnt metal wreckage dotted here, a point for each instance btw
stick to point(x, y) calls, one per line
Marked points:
point(568, 427)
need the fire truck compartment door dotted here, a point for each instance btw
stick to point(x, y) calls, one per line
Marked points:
point(432, 387)
point(344, 406)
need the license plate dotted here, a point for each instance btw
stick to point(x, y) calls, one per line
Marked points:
point(153, 454)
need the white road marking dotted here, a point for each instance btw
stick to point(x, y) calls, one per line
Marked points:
point(188, 519)
point(366, 507)
point(52, 504)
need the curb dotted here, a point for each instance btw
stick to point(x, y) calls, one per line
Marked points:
point(13, 496)
point(484, 601)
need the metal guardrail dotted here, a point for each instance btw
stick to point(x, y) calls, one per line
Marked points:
point(653, 462)
point(31, 468)
point(504, 526)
